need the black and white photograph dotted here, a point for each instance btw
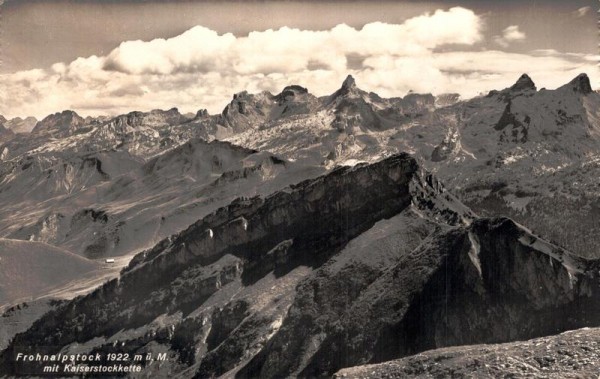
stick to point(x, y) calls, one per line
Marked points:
point(299, 189)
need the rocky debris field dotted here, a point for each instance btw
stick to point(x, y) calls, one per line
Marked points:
point(573, 354)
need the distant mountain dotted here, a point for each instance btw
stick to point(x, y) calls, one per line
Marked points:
point(19, 125)
point(59, 124)
point(520, 152)
point(528, 154)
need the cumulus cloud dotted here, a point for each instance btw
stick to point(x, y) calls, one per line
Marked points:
point(291, 50)
point(202, 69)
point(581, 12)
point(509, 35)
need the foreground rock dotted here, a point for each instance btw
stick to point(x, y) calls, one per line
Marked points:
point(573, 354)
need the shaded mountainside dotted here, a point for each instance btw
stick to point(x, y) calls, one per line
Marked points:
point(361, 265)
point(490, 282)
point(5, 134)
point(571, 354)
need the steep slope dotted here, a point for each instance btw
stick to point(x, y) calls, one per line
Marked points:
point(31, 269)
point(20, 317)
point(361, 265)
point(490, 282)
point(5, 134)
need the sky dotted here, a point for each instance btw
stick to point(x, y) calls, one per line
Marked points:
point(111, 57)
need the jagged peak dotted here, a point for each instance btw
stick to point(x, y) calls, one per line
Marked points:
point(173, 110)
point(349, 83)
point(67, 114)
point(59, 120)
point(581, 84)
point(293, 89)
point(523, 83)
point(348, 87)
point(202, 113)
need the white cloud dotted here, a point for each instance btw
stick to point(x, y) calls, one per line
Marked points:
point(510, 34)
point(583, 11)
point(202, 69)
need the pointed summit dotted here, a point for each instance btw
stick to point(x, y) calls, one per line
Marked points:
point(523, 83)
point(348, 88)
point(349, 83)
point(580, 84)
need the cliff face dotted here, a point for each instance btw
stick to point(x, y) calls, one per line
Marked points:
point(361, 265)
point(489, 282)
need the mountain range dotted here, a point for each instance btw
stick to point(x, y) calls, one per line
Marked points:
point(295, 235)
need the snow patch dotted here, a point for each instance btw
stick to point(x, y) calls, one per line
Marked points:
point(474, 252)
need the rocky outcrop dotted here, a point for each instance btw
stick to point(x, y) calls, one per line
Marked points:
point(581, 84)
point(154, 118)
point(353, 108)
point(59, 124)
point(524, 83)
point(446, 99)
point(251, 111)
point(571, 354)
point(489, 282)
point(247, 110)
